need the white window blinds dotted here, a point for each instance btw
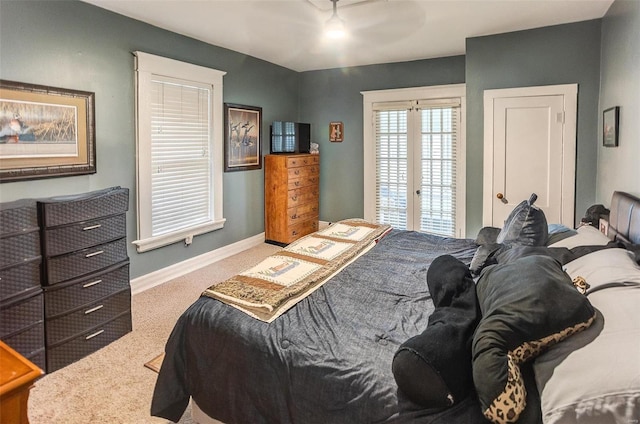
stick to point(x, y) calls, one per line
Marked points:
point(392, 164)
point(180, 155)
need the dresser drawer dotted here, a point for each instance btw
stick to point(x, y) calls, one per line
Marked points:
point(311, 180)
point(81, 345)
point(83, 207)
point(19, 279)
point(296, 231)
point(21, 313)
point(81, 235)
point(68, 296)
point(15, 250)
point(301, 196)
point(302, 213)
point(72, 265)
point(294, 161)
point(18, 217)
point(28, 342)
point(88, 316)
point(303, 172)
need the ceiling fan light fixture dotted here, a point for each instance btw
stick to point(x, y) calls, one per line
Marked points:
point(334, 28)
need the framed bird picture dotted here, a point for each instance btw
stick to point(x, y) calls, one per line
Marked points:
point(242, 141)
point(45, 132)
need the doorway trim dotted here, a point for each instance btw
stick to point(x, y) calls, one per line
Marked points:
point(570, 94)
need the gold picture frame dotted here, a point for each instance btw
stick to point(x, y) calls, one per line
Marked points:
point(45, 132)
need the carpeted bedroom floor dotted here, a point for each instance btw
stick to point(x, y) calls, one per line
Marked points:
point(112, 385)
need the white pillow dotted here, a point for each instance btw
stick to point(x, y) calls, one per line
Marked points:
point(605, 266)
point(594, 376)
point(587, 236)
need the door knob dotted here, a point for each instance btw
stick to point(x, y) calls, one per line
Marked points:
point(500, 196)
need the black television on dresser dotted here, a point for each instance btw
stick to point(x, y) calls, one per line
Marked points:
point(290, 137)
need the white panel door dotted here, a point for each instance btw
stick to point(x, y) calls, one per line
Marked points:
point(529, 150)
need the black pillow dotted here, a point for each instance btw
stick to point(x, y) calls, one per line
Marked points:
point(433, 369)
point(526, 225)
point(527, 305)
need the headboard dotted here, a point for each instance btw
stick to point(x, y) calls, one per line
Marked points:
point(624, 218)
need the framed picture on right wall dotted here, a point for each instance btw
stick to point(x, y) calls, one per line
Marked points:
point(610, 122)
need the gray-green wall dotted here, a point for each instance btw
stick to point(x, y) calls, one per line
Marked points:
point(620, 86)
point(71, 44)
point(334, 95)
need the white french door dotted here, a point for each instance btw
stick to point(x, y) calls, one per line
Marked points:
point(418, 165)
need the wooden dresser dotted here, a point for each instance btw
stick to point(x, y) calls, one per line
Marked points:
point(17, 375)
point(291, 191)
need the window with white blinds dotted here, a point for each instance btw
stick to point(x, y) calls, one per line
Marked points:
point(414, 153)
point(179, 123)
point(180, 155)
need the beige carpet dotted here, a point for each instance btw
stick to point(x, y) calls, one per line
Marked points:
point(112, 385)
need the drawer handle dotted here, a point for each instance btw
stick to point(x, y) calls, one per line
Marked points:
point(93, 283)
point(90, 255)
point(294, 216)
point(297, 183)
point(97, 308)
point(91, 336)
point(92, 227)
point(294, 198)
point(297, 172)
point(294, 233)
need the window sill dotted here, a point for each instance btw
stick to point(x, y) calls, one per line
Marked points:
point(186, 235)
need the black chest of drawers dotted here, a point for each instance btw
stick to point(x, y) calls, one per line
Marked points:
point(21, 298)
point(87, 296)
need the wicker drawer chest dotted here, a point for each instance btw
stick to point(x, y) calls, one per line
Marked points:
point(87, 295)
point(21, 298)
point(291, 196)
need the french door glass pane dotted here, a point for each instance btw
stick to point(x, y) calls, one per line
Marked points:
point(438, 182)
point(391, 167)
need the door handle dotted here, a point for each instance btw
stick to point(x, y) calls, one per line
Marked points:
point(501, 197)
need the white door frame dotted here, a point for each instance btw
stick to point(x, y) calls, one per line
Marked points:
point(570, 93)
point(369, 148)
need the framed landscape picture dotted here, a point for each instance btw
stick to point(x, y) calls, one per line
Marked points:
point(45, 132)
point(242, 141)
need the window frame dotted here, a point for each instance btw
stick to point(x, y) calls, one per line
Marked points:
point(146, 67)
point(432, 94)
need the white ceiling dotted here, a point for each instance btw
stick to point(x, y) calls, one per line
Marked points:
point(289, 32)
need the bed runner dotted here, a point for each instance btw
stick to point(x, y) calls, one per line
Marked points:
point(270, 288)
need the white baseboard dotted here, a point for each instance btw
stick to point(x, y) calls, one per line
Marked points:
point(161, 276)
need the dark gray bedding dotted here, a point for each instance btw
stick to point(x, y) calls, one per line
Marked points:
point(326, 360)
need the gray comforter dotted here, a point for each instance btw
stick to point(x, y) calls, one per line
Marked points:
point(326, 360)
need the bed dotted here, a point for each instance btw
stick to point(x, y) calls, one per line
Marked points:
point(330, 356)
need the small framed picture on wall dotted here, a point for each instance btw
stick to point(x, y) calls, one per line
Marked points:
point(610, 123)
point(336, 131)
